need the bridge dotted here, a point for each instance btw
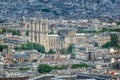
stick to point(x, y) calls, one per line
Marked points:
point(53, 77)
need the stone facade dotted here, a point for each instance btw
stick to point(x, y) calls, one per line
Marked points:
point(39, 33)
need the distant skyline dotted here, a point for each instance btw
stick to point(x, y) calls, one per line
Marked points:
point(67, 9)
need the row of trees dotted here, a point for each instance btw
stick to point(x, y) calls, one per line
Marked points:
point(75, 66)
point(86, 31)
point(14, 32)
point(100, 31)
point(24, 69)
point(39, 48)
point(30, 46)
point(45, 68)
point(110, 30)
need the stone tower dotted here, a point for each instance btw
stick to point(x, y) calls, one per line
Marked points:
point(38, 32)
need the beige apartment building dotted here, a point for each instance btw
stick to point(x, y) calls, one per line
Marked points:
point(103, 40)
point(38, 33)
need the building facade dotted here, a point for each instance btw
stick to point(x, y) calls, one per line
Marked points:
point(38, 33)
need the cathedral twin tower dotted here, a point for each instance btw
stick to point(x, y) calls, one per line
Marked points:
point(38, 33)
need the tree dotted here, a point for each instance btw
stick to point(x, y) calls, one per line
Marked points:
point(27, 33)
point(3, 47)
point(73, 56)
point(24, 69)
point(25, 60)
point(114, 39)
point(107, 45)
point(15, 32)
point(34, 60)
point(87, 31)
point(51, 32)
point(30, 46)
point(63, 51)
point(45, 10)
point(116, 65)
point(39, 47)
point(58, 67)
point(96, 44)
point(74, 66)
point(113, 42)
point(3, 30)
point(51, 51)
point(44, 68)
point(118, 23)
point(69, 49)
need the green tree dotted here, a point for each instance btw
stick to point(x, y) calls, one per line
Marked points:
point(73, 56)
point(83, 65)
point(14, 32)
point(39, 47)
point(58, 67)
point(69, 49)
point(114, 39)
point(107, 45)
point(4, 30)
point(55, 67)
point(110, 30)
point(87, 31)
point(113, 42)
point(118, 23)
point(34, 60)
point(3, 47)
point(25, 60)
point(74, 66)
point(45, 10)
point(27, 33)
point(104, 30)
point(51, 51)
point(96, 44)
point(63, 51)
point(30, 46)
point(116, 65)
point(51, 32)
point(44, 68)
point(24, 69)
